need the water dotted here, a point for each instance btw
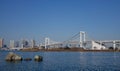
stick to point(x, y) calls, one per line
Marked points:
point(64, 61)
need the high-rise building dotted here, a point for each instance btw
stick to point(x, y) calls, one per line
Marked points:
point(1, 42)
point(16, 43)
point(32, 43)
point(24, 43)
point(12, 44)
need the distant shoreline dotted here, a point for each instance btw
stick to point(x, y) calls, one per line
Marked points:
point(65, 50)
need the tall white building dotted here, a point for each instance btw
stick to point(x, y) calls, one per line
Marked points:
point(32, 43)
point(12, 44)
point(1, 42)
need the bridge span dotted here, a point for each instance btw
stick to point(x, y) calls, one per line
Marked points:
point(81, 40)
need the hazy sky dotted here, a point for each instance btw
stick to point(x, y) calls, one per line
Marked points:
point(59, 19)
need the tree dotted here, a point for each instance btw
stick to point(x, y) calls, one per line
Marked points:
point(111, 48)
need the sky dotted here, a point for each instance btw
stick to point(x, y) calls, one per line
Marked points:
point(59, 19)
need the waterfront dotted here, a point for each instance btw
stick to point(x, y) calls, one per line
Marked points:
point(64, 61)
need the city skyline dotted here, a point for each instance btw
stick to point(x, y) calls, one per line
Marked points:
point(18, 43)
point(59, 19)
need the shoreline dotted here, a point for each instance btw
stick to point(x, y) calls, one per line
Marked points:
point(65, 50)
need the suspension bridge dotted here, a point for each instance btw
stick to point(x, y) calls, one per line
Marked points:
point(81, 40)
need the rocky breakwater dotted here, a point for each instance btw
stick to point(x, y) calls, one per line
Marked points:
point(13, 57)
point(38, 58)
point(27, 59)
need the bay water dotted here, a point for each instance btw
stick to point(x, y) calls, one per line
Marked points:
point(63, 61)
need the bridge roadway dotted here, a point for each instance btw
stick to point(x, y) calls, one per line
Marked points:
point(77, 42)
point(108, 41)
point(98, 42)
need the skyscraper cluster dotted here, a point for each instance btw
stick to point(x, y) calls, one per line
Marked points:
point(16, 44)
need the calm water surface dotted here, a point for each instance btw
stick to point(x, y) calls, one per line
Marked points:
point(64, 61)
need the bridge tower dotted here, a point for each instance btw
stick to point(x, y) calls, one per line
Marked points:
point(114, 45)
point(82, 38)
point(47, 42)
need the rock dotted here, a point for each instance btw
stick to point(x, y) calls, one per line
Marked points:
point(13, 57)
point(38, 58)
point(27, 59)
point(17, 58)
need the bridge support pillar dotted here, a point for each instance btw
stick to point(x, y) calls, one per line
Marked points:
point(47, 42)
point(114, 45)
point(100, 44)
point(82, 38)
